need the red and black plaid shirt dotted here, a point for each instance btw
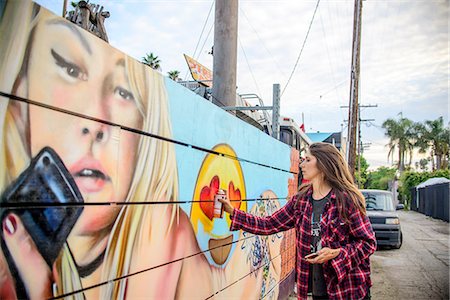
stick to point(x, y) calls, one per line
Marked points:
point(347, 276)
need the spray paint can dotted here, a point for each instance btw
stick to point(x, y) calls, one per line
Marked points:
point(218, 206)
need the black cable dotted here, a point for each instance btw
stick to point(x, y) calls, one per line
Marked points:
point(279, 282)
point(201, 34)
point(28, 205)
point(137, 131)
point(301, 50)
point(226, 287)
point(149, 269)
point(203, 29)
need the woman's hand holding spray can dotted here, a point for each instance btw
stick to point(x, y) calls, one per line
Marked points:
point(218, 206)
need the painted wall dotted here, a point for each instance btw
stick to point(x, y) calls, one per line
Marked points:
point(108, 175)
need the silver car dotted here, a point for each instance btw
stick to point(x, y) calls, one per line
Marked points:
point(383, 217)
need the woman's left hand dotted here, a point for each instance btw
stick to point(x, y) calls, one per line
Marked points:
point(325, 254)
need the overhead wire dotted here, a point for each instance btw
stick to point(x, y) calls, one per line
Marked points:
point(201, 34)
point(330, 64)
point(249, 67)
point(301, 50)
point(204, 42)
point(203, 29)
point(262, 42)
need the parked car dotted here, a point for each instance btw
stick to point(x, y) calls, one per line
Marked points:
point(383, 217)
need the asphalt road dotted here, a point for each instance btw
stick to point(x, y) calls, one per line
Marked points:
point(420, 268)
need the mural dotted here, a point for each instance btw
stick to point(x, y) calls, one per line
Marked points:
point(108, 173)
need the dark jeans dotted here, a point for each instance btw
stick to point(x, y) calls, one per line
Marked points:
point(367, 297)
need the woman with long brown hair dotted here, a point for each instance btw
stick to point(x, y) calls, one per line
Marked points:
point(334, 235)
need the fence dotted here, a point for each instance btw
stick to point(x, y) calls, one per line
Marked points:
point(432, 200)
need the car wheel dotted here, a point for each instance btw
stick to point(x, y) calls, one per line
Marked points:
point(400, 243)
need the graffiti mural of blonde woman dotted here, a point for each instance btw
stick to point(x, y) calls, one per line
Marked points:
point(49, 60)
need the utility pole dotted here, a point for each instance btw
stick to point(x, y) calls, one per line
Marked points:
point(359, 140)
point(354, 86)
point(225, 53)
point(276, 111)
point(64, 9)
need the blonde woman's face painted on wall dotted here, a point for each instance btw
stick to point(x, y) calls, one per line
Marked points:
point(309, 167)
point(71, 69)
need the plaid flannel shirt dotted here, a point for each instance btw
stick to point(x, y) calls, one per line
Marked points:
point(347, 276)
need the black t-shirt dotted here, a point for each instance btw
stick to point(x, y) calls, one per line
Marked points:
point(316, 278)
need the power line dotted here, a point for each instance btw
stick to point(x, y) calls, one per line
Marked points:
point(201, 34)
point(249, 67)
point(262, 43)
point(203, 29)
point(301, 50)
point(206, 39)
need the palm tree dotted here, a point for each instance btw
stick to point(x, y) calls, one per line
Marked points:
point(174, 75)
point(152, 61)
point(433, 135)
point(402, 137)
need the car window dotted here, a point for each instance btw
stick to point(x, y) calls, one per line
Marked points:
point(378, 201)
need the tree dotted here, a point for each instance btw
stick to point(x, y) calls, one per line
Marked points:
point(410, 179)
point(402, 137)
point(152, 61)
point(174, 75)
point(423, 163)
point(432, 135)
point(361, 175)
point(380, 178)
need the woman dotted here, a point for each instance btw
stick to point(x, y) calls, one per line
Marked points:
point(334, 235)
point(49, 60)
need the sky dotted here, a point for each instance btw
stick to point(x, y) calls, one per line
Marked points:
point(404, 55)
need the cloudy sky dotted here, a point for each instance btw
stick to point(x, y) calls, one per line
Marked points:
point(404, 55)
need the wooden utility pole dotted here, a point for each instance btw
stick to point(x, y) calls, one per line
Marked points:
point(225, 53)
point(354, 86)
point(64, 9)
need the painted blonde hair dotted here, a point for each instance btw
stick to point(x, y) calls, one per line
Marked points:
point(155, 174)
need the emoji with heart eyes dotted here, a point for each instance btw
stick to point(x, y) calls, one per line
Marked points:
point(217, 172)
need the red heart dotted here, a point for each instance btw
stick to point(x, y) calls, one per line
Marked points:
point(207, 197)
point(234, 194)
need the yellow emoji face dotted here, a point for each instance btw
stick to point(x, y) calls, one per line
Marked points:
point(217, 172)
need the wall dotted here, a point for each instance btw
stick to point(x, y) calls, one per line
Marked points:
point(108, 173)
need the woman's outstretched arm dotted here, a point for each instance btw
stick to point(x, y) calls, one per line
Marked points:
point(283, 219)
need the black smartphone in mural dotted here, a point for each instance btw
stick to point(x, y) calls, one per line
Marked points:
point(48, 202)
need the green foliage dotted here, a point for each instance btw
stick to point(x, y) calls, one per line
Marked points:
point(423, 164)
point(433, 136)
point(152, 61)
point(173, 74)
point(379, 179)
point(402, 136)
point(361, 175)
point(441, 173)
point(410, 179)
